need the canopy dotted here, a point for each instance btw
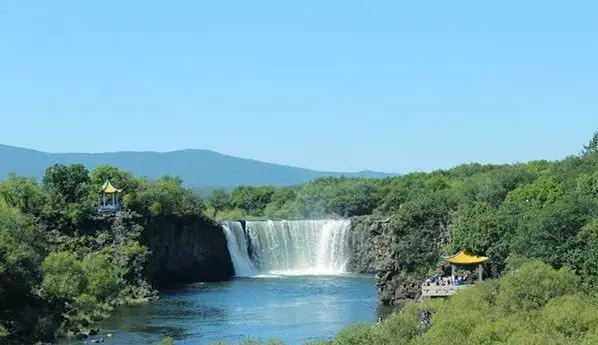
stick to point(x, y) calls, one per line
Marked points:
point(465, 258)
point(108, 188)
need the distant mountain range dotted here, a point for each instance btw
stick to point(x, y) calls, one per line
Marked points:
point(198, 168)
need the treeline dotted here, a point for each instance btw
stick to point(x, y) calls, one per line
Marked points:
point(63, 264)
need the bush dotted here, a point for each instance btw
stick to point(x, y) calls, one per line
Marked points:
point(64, 277)
point(103, 278)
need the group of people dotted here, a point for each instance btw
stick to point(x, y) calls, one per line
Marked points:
point(445, 281)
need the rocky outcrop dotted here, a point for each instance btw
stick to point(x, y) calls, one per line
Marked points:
point(399, 257)
point(362, 254)
point(185, 250)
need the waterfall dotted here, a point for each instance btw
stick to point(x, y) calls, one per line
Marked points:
point(302, 247)
point(238, 249)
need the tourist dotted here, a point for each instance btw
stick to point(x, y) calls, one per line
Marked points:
point(426, 318)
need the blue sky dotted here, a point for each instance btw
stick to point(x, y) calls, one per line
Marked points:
point(331, 85)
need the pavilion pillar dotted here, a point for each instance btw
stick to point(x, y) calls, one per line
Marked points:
point(480, 272)
point(453, 272)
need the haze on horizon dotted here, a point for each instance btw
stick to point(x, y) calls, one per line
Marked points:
point(332, 86)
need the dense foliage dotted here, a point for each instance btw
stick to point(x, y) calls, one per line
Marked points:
point(63, 264)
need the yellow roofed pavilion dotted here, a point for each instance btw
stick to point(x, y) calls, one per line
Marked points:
point(465, 258)
point(108, 188)
point(110, 203)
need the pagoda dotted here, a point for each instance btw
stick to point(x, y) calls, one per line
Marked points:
point(109, 200)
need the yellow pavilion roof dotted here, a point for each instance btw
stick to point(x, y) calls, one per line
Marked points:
point(108, 188)
point(465, 258)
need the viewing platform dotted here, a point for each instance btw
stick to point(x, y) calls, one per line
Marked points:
point(448, 286)
point(441, 290)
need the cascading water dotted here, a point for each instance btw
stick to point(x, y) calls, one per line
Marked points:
point(238, 249)
point(305, 247)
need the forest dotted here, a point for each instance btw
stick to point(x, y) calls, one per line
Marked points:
point(60, 270)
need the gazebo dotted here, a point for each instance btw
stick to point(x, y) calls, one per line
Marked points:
point(465, 258)
point(109, 201)
point(444, 287)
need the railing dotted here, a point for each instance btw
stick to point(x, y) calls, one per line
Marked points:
point(109, 208)
point(440, 290)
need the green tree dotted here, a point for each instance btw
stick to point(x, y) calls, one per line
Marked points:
point(588, 239)
point(544, 190)
point(252, 200)
point(592, 145)
point(587, 185)
point(166, 196)
point(70, 183)
point(21, 251)
point(220, 200)
point(103, 278)
point(64, 277)
point(24, 194)
point(354, 198)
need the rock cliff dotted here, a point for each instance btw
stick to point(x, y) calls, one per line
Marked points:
point(399, 254)
point(185, 250)
point(363, 258)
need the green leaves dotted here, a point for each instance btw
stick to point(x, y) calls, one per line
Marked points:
point(69, 183)
point(592, 146)
point(64, 277)
point(103, 278)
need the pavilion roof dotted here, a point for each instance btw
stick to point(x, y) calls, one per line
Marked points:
point(108, 188)
point(465, 258)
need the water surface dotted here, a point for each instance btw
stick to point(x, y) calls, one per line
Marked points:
point(295, 309)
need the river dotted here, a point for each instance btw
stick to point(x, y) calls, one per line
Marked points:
point(295, 309)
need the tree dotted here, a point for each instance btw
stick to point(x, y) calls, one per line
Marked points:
point(69, 183)
point(592, 145)
point(352, 198)
point(220, 200)
point(103, 278)
point(23, 193)
point(166, 196)
point(252, 200)
point(64, 277)
point(21, 245)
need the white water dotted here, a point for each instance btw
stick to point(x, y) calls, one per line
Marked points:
point(297, 247)
point(237, 247)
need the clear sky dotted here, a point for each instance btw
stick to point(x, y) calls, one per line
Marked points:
point(345, 85)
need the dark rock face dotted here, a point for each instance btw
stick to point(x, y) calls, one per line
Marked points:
point(379, 246)
point(363, 258)
point(371, 245)
point(185, 250)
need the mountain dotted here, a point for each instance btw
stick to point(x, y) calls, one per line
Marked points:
point(198, 168)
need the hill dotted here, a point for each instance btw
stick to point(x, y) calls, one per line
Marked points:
point(199, 168)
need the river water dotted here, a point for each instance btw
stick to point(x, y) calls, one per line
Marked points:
point(294, 309)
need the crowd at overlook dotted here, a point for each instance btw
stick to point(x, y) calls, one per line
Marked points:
point(446, 281)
